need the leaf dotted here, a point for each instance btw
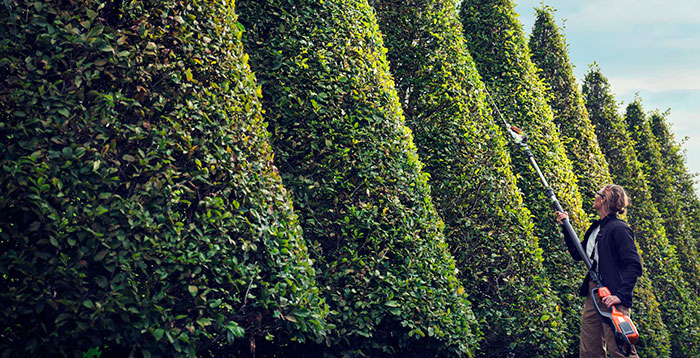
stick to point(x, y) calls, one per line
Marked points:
point(62, 317)
point(101, 281)
point(79, 152)
point(204, 321)
point(193, 290)
point(100, 255)
point(67, 152)
point(158, 334)
point(215, 303)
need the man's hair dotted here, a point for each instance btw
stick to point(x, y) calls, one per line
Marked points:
point(616, 198)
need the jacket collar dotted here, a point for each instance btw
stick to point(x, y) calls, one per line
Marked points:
point(605, 220)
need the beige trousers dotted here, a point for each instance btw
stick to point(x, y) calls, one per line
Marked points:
point(597, 337)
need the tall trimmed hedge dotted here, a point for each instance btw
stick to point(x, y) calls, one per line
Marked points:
point(495, 39)
point(142, 213)
point(349, 160)
point(660, 261)
point(666, 194)
point(549, 53)
point(688, 203)
point(487, 226)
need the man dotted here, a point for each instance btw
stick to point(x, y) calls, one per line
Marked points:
point(609, 242)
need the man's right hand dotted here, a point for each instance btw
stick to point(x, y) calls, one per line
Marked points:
point(561, 216)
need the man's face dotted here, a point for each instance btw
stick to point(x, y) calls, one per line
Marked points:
point(599, 200)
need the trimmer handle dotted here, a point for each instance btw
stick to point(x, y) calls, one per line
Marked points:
point(625, 332)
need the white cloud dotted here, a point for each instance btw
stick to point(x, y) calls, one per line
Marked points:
point(608, 15)
point(657, 80)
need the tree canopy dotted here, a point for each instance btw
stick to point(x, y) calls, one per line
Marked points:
point(550, 55)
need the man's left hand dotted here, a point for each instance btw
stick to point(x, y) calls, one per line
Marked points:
point(611, 300)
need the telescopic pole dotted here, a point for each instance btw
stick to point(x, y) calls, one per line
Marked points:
point(521, 139)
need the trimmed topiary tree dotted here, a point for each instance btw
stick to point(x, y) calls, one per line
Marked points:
point(495, 39)
point(672, 153)
point(661, 263)
point(673, 157)
point(465, 153)
point(364, 201)
point(142, 213)
point(665, 193)
point(549, 53)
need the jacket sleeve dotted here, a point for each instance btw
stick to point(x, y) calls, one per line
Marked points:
point(570, 245)
point(630, 264)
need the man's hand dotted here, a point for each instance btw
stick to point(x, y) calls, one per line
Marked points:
point(561, 216)
point(611, 300)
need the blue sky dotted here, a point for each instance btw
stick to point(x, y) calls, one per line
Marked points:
point(648, 47)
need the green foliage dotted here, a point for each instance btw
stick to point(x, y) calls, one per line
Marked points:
point(549, 53)
point(688, 203)
point(659, 256)
point(487, 225)
point(654, 340)
point(667, 196)
point(673, 157)
point(141, 209)
point(350, 162)
point(495, 39)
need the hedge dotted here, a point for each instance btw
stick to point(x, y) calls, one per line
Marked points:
point(660, 258)
point(487, 226)
point(364, 202)
point(142, 212)
point(688, 203)
point(495, 39)
point(666, 195)
point(549, 53)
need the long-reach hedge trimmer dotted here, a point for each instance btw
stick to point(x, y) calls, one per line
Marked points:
point(625, 332)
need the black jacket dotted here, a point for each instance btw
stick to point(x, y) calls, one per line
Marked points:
point(619, 264)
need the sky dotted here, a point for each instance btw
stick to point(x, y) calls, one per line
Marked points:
point(649, 47)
